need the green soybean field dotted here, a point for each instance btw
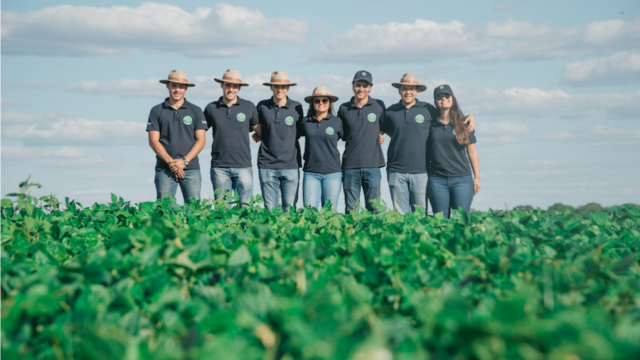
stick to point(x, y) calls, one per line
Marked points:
point(154, 280)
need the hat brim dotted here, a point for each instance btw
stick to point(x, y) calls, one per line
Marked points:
point(270, 83)
point(178, 82)
point(230, 82)
point(420, 87)
point(309, 98)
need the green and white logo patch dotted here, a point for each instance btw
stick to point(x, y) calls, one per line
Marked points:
point(441, 87)
point(419, 119)
point(371, 117)
point(241, 117)
point(453, 131)
point(364, 73)
point(330, 131)
point(187, 120)
point(288, 120)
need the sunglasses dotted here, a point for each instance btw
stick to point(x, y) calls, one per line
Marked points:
point(440, 96)
point(318, 101)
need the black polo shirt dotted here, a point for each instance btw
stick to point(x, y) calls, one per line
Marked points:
point(231, 127)
point(177, 130)
point(409, 132)
point(279, 148)
point(448, 158)
point(361, 130)
point(321, 153)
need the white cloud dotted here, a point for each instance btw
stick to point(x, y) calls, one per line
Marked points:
point(504, 5)
point(224, 30)
point(81, 131)
point(621, 68)
point(20, 118)
point(601, 136)
point(427, 40)
point(9, 102)
point(20, 152)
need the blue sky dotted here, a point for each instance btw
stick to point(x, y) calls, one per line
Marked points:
point(553, 85)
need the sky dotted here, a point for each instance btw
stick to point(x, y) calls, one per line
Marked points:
point(554, 86)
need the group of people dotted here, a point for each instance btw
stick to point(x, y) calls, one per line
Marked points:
point(431, 155)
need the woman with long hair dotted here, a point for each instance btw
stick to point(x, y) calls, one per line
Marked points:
point(451, 149)
point(322, 167)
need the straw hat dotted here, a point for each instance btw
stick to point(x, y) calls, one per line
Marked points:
point(231, 77)
point(410, 80)
point(279, 78)
point(178, 77)
point(321, 91)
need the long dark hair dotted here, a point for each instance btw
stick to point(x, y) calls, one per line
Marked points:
point(312, 110)
point(457, 118)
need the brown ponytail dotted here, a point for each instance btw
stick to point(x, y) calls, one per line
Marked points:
point(457, 117)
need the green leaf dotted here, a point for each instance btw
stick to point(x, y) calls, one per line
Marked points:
point(7, 203)
point(239, 257)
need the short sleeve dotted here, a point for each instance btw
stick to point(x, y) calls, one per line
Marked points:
point(384, 125)
point(254, 118)
point(300, 112)
point(340, 130)
point(207, 116)
point(300, 128)
point(472, 137)
point(154, 120)
point(201, 122)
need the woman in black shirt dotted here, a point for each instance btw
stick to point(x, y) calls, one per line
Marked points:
point(451, 149)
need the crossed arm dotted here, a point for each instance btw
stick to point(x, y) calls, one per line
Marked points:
point(177, 165)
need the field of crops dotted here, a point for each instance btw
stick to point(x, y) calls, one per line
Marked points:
point(157, 281)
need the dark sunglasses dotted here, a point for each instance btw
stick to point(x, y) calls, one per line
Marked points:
point(318, 101)
point(440, 96)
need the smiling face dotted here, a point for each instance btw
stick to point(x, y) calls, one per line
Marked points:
point(408, 94)
point(444, 101)
point(279, 92)
point(176, 91)
point(361, 89)
point(230, 91)
point(321, 104)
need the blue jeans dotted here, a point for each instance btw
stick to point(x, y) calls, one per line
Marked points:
point(450, 193)
point(353, 179)
point(231, 179)
point(407, 190)
point(274, 183)
point(318, 186)
point(167, 184)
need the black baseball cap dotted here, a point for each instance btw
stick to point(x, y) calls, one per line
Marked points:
point(442, 89)
point(362, 75)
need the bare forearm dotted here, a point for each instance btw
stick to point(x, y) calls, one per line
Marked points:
point(473, 159)
point(160, 151)
point(195, 150)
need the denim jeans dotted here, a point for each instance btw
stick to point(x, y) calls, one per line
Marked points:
point(407, 190)
point(232, 179)
point(276, 184)
point(450, 193)
point(321, 186)
point(353, 179)
point(167, 184)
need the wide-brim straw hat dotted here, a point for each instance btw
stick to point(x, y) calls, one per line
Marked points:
point(321, 91)
point(178, 77)
point(231, 77)
point(279, 78)
point(410, 79)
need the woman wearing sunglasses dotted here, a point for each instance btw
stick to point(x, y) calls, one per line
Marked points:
point(322, 168)
point(451, 149)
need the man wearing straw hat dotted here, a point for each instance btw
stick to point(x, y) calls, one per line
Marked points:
point(279, 155)
point(177, 133)
point(408, 123)
point(231, 119)
point(362, 157)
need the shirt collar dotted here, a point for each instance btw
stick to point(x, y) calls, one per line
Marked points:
point(272, 103)
point(166, 104)
point(313, 118)
point(353, 104)
point(221, 103)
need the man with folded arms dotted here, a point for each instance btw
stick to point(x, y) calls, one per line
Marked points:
point(279, 155)
point(231, 119)
point(177, 133)
point(362, 157)
point(408, 124)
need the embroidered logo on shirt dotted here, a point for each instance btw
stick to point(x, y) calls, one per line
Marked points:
point(241, 117)
point(187, 120)
point(330, 131)
point(419, 119)
point(371, 117)
point(288, 120)
point(453, 131)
